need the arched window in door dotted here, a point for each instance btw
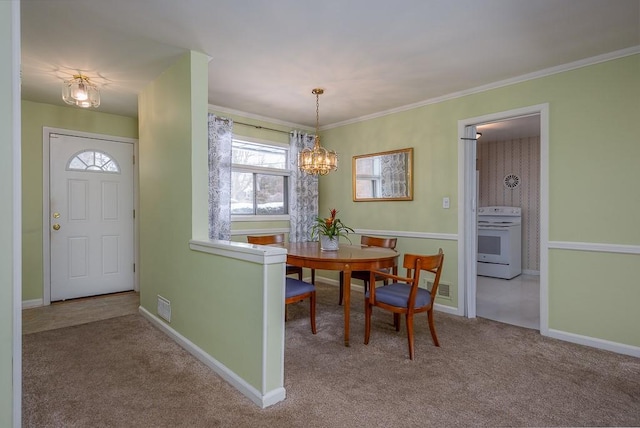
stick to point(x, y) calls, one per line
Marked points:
point(93, 160)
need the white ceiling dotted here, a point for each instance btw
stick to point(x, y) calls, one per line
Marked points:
point(510, 129)
point(370, 56)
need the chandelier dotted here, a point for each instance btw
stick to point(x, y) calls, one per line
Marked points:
point(317, 161)
point(81, 92)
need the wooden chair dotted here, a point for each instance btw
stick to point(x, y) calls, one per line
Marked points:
point(403, 296)
point(370, 241)
point(277, 239)
point(295, 291)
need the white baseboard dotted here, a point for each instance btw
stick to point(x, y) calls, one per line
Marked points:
point(619, 348)
point(34, 303)
point(266, 400)
point(446, 309)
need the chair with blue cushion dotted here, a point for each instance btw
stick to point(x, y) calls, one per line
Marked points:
point(370, 241)
point(296, 291)
point(404, 296)
point(279, 239)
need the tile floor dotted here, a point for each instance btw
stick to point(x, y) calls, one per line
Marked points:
point(515, 301)
point(79, 311)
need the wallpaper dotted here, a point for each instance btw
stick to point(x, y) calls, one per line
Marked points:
point(520, 160)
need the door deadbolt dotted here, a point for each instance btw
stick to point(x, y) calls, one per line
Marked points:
point(56, 226)
point(56, 215)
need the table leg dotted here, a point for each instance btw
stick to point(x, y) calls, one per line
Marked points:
point(346, 300)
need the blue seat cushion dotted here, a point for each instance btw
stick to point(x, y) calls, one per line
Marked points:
point(295, 287)
point(397, 294)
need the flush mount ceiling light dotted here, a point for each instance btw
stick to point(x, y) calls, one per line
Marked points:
point(81, 92)
point(318, 161)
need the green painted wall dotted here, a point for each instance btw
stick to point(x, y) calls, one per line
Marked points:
point(208, 293)
point(35, 116)
point(7, 232)
point(593, 167)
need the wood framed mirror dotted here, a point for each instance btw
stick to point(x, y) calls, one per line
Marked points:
point(384, 176)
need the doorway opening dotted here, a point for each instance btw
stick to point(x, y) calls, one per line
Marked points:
point(508, 195)
point(505, 167)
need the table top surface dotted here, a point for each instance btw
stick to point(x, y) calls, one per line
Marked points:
point(346, 253)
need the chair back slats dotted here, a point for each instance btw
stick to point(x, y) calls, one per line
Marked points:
point(373, 241)
point(266, 239)
point(415, 264)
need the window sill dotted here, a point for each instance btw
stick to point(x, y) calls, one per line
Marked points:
point(238, 218)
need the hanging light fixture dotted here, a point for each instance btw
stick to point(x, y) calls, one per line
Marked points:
point(81, 92)
point(318, 161)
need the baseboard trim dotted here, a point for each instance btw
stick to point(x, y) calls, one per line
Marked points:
point(619, 348)
point(446, 309)
point(34, 303)
point(263, 400)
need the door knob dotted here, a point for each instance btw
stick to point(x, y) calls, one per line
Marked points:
point(56, 226)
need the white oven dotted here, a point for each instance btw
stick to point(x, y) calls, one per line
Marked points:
point(499, 242)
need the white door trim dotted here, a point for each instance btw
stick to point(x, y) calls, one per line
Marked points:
point(466, 198)
point(46, 241)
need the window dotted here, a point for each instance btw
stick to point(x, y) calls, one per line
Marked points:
point(368, 178)
point(93, 160)
point(259, 179)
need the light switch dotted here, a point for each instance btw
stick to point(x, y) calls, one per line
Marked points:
point(445, 202)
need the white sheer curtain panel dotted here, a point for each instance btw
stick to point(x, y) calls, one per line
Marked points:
point(220, 136)
point(303, 191)
point(394, 175)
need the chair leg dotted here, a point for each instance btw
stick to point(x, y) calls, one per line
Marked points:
point(313, 276)
point(367, 321)
point(432, 327)
point(410, 334)
point(300, 274)
point(396, 321)
point(341, 288)
point(312, 311)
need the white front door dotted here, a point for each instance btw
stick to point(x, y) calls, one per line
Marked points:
point(91, 216)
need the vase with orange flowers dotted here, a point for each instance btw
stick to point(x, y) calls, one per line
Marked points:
point(330, 230)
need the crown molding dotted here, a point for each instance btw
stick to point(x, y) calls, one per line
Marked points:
point(219, 109)
point(495, 85)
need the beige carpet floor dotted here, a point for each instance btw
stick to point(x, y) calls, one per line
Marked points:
point(123, 372)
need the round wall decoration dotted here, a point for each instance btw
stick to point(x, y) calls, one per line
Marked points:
point(511, 181)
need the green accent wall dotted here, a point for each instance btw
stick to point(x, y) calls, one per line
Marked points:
point(594, 159)
point(8, 315)
point(36, 116)
point(217, 302)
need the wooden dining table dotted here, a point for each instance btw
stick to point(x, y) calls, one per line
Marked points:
point(347, 258)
